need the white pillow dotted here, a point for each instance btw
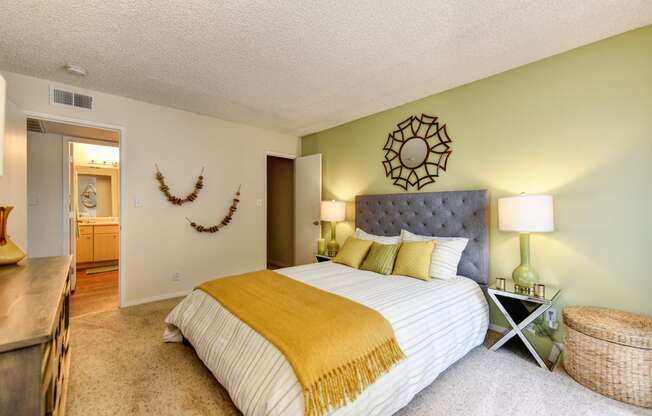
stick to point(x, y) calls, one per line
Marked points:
point(362, 235)
point(446, 255)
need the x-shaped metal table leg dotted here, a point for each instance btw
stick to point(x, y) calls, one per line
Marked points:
point(517, 329)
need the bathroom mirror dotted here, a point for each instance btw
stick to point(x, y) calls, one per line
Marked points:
point(97, 192)
point(88, 195)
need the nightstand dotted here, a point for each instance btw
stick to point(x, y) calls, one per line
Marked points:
point(520, 309)
point(322, 257)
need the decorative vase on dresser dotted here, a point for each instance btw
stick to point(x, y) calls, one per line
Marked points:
point(10, 253)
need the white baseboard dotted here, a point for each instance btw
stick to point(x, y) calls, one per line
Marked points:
point(498, 328)
point(156, 298)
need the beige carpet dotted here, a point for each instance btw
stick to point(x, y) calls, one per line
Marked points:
point(120, 366)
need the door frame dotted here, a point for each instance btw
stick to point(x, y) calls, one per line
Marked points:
point(265, 205)
point(122, 139)
point(66, 142)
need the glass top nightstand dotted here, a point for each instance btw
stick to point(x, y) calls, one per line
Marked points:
point(520, 308)
point(513, 290)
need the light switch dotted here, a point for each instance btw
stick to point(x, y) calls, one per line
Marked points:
point(259, 202)
point(138, 203)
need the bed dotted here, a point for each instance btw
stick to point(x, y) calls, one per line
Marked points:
point(436, 322)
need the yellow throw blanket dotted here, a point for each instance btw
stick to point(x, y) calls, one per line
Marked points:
point(336, 347)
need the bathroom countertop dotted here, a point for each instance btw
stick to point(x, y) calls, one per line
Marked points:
point(99, 222)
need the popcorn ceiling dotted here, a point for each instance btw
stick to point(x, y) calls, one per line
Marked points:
point(295, 67)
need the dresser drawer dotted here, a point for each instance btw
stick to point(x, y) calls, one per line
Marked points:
point(56, 359)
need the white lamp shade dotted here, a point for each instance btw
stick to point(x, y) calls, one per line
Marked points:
point(526, 214)
point(333, 210)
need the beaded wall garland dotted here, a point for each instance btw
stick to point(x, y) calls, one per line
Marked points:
point(225, 221)
point(173, 198)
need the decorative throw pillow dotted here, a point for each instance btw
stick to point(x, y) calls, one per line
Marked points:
point(362, 235)
point(446, 256)
point(413, 259)
point(353, 252)
point(381, 258)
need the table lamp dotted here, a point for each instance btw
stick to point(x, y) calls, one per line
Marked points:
point(333, 211)
point(526, 214)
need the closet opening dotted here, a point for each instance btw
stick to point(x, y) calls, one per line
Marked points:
point(280, 212)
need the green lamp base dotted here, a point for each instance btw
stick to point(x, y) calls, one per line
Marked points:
point(525, 275)
point(333, 247)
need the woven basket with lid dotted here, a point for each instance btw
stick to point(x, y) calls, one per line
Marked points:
point(610, 352)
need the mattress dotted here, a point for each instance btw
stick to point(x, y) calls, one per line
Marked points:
point(436, 323)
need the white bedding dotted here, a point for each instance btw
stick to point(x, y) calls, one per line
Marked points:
point(436, 323)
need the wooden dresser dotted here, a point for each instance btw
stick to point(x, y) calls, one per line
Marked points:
point(34, 336)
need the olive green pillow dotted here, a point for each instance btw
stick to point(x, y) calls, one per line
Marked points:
point(413, 259)
point(381, 258)
point(353, 252)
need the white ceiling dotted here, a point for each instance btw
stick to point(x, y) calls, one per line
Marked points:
point(295, 66)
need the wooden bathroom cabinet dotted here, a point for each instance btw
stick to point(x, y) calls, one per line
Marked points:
point(98, 243)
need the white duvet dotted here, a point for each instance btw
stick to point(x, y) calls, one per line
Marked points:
point(436, 323)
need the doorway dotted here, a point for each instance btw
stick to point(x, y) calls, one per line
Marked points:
point(280, 212)
point(73, 186)
point(293, 193)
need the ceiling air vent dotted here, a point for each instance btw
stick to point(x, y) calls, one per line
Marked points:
point(35, 125)
point(70, 98)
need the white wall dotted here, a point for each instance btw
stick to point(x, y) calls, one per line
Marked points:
point(3, 101)
point(44, 194)
point(13, 182)
point(159, 240)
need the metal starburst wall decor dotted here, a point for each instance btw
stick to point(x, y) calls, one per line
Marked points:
point(416, 151)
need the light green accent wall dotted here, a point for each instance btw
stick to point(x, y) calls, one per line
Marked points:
point(577, 125)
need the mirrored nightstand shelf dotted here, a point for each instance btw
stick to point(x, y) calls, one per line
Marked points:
point(520, 307)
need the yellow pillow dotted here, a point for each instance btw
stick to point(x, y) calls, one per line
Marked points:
point(353, 252)
point(413, 259)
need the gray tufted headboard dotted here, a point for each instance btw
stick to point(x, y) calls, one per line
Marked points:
point(440, 214)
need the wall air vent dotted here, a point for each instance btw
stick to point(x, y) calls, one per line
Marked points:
point(71, 98)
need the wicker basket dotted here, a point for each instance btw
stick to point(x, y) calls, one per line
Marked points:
point(610, 352)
